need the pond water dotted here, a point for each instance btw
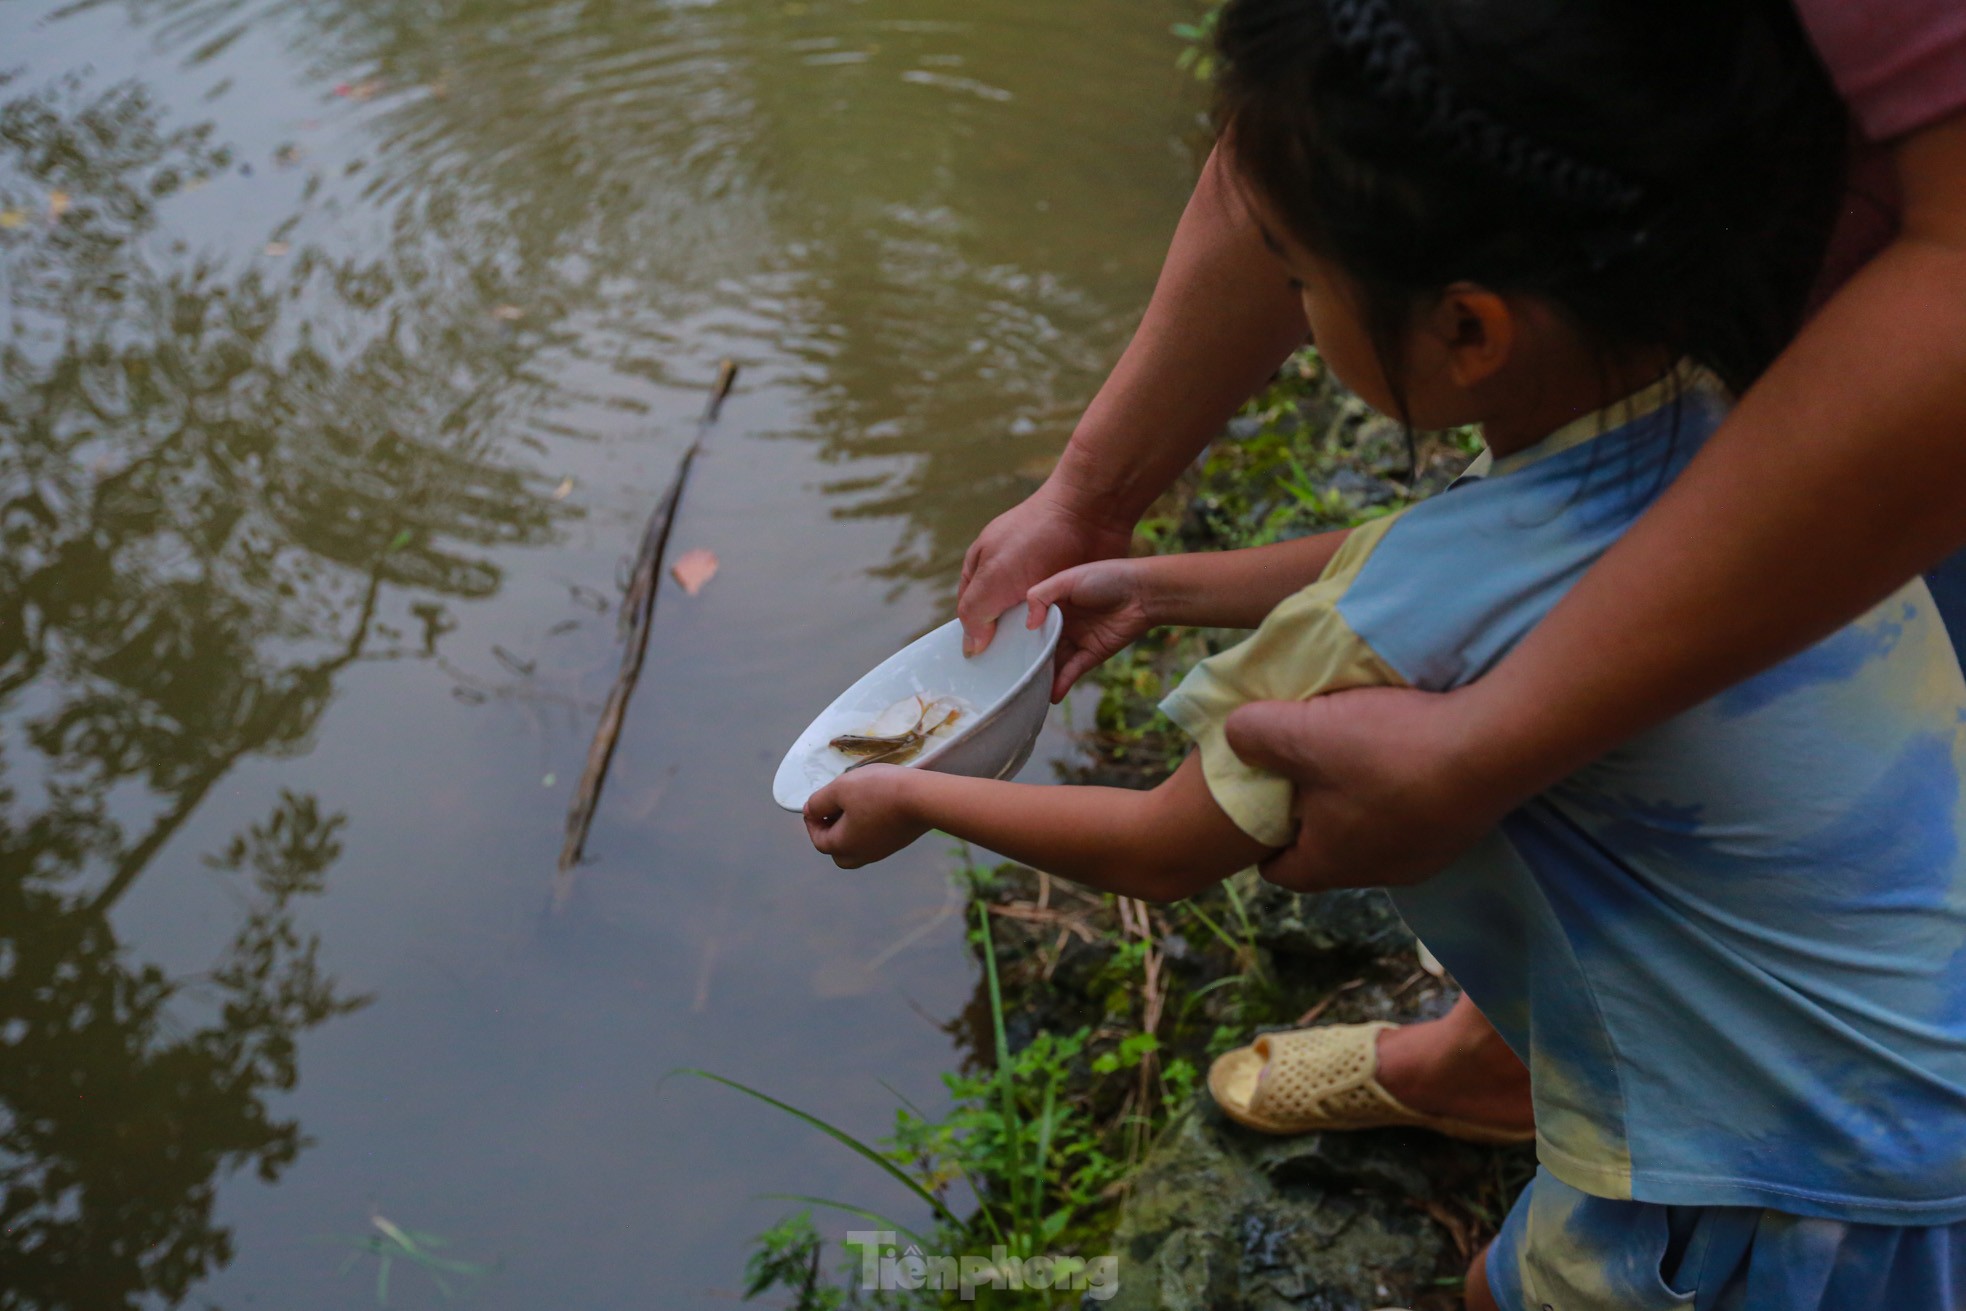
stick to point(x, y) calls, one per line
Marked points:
point(347, 347)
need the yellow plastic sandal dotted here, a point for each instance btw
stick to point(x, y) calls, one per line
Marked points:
point(1324, 1079)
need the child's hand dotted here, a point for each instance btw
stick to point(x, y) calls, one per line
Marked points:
point(1105, 608)
point(863, 816)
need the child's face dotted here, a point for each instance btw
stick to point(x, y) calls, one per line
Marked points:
point(1432, 399)
point(1513, 364)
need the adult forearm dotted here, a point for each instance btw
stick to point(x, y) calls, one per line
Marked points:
point(1234, 589)
point(1221, 319)
point(1841, 475)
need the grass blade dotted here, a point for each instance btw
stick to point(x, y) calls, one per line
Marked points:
point(838, 1135)
point(395, 1232)
point(1208, 921)
point(1043, 1156)
point(902, 1097)
point(1013, 1130)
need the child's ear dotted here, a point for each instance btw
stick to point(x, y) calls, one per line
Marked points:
point(1478, 329)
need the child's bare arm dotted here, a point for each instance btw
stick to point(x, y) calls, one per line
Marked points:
point(1236, 589)
point(1109, 603)
point(1206, 589)
point(1161, 845)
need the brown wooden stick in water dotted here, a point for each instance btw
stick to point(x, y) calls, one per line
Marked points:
point(637, 616)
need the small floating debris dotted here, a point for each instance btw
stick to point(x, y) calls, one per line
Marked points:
point(694, 568)
point(949, 82)
point(523, 668)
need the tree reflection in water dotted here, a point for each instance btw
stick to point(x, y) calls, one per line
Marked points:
point(226, 479)
point(628, 159)
point(205, 517)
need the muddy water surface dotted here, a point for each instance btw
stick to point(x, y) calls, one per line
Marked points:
point(346, 347)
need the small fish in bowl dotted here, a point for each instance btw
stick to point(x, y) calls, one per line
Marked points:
point(881, 744)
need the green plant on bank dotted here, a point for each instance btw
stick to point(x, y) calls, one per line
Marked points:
point(790, 1256)
point(1198, 51)
point(1036, 1146)
point(1034, 1164)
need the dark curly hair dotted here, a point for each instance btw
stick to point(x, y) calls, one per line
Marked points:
point(1664, 172)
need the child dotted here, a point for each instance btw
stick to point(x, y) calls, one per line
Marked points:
point(1730, 952)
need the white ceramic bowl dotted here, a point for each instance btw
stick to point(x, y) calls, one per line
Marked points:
point(1009, 684)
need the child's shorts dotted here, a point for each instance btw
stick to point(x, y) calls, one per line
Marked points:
point(1562, 1250)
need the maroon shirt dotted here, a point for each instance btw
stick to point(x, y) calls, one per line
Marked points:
point(1901, 66)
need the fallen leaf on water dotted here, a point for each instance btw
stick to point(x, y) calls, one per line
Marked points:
point(366, 89)
point(694, 569)
point(565, 489)
point(289, 155)
point(13, 218)
point(58, 205)
point(508, 313)
point(277, 248)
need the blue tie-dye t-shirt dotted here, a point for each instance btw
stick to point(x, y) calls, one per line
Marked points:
point(1733, 951)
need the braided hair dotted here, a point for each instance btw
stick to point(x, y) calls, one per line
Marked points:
point(1664, 172)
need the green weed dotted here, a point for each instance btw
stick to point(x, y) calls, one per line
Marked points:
point(392, 1243)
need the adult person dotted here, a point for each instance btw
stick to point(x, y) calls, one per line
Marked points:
point(1839, 476)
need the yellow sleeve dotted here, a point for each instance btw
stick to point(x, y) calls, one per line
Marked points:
point(1303, 647)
